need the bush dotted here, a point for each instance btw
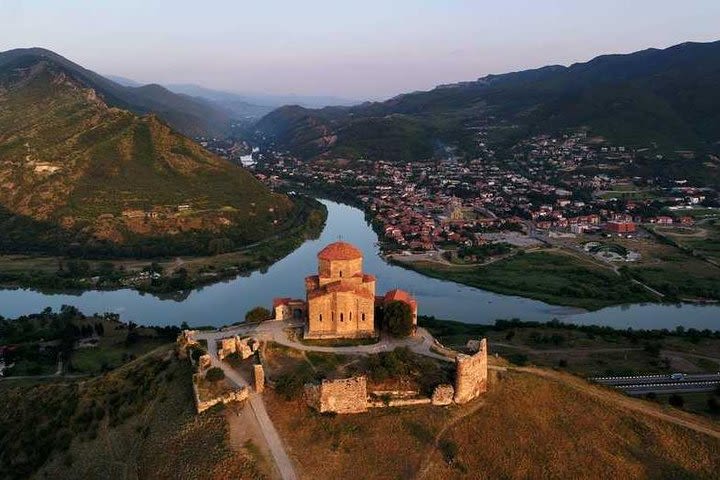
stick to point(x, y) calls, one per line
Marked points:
point(290, 385)
point(449, 450)
point(215, 374)
point(713, 405)
point(257, 315)
point(676, 400)
point(398, 318)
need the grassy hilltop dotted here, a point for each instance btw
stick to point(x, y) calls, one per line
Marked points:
point(76, 172)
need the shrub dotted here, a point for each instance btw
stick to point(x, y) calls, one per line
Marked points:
point(257, 315)
point(290, 385)
point(676, 400)
point(449, 450)
point(215, 374)
point(398, 318)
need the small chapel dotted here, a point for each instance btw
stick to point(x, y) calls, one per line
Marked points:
point(340, 300)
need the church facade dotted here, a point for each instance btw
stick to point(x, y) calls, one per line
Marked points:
point(340, 299)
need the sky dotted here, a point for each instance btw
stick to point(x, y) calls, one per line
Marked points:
point(361, 50)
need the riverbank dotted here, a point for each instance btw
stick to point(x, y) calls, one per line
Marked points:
point(166, 275)
point(549, 276)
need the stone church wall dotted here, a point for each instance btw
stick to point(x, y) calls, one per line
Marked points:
point(471, 375)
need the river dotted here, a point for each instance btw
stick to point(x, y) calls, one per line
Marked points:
point(226, 302)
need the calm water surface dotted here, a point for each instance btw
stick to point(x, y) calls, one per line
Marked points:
point(227, 302)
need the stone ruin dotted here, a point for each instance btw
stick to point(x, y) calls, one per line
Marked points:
point(244, 347)
point(204, 363)
point(259, 377)
point(471, 374)
point(348, 395)
point(185, 340)
point(442, 395)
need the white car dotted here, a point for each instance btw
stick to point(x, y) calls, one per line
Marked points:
point(677, 376)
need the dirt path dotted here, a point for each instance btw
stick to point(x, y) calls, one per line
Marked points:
point(427, 463)
point(624, 402)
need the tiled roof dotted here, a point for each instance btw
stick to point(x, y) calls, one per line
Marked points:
point(340, 251)
point(400, 296)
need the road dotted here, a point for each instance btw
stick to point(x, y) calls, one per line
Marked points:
point(272, 438)
point(640, 385)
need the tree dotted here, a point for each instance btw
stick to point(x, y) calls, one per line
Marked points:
point(215, 374)
point(398, 318)
point(257, 315)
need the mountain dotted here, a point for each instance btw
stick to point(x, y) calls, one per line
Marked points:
point(190, 116)
point(241, 107)
point(664, 97)
point(78, 172)
point(124, 81)
point(261, 99)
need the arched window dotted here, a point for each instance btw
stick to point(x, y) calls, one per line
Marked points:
point(351, 316)
point(341, 318)
point(321, 317)
point(341, 273)
point(363, 316)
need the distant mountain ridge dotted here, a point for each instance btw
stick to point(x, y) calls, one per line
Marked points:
point(192, 117)
point(80, 174)
point(666, 97)
point(262, 99)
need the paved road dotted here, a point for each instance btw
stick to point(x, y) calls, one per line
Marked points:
point(642, 384)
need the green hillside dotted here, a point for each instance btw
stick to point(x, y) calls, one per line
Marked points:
point(189, 115)
point(668, 98)
point(77, 172)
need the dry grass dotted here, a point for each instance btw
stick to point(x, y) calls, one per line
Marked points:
point(381, 444)
point(532, 427)
point(525, 427)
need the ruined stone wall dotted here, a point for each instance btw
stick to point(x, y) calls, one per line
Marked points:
point(443, 394)
point(244, 347)
point(229, 397)
point(259, 377)
point(348, 395)
point(471, 374)
point(184, 341)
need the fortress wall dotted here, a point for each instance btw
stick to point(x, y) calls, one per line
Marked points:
point(348, 395)
point(471, 374)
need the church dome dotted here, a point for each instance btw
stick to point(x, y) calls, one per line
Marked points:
point(340, 251)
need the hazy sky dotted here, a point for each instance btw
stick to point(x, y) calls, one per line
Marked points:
point(361, 49)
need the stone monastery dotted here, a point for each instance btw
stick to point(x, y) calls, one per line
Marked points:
point(340, 300)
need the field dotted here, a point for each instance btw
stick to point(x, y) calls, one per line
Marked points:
point(527, 426)
point(551, 276)
point(703, 239)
